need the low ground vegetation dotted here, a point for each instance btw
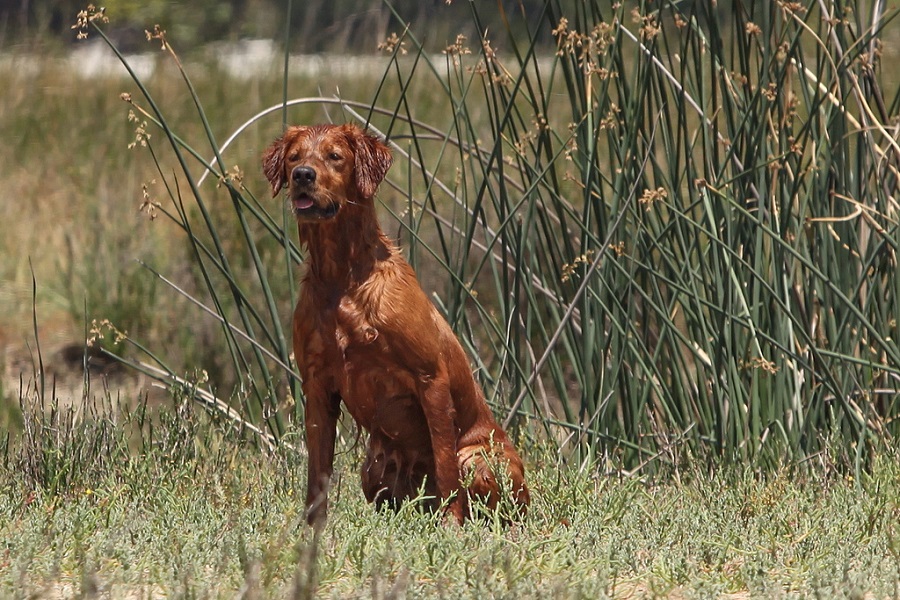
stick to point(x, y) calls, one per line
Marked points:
point(176, 505)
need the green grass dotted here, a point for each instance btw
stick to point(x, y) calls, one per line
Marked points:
point(671, 237)
point(121, 506)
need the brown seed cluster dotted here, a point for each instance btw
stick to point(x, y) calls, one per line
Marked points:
point(85, 17)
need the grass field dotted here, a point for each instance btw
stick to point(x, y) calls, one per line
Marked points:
point(127, 508)
point(669, 246)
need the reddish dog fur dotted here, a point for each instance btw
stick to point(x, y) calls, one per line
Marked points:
point(366, 334)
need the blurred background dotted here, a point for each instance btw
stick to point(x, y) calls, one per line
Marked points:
point(318, 25)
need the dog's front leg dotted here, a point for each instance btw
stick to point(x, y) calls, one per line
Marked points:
point(437, 404)
point(322, 411)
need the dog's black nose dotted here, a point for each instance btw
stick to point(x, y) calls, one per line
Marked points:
point(304, 175)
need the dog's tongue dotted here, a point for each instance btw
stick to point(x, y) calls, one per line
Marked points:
point(303, 203)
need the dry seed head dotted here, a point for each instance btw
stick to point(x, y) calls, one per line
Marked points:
point(148, 204)
point(561, 32)
point(740, 78)
point(457, 49)
point(393, 44)
point(865, 59)
point(611, 120)
point(234, 176)
point(141, 137)
point(781, 53)
point(586, 48)
point(572, 142)
point(87, 16)
point(570, 268)
point(571, 147)
point(521, 146)
point(649, 197)
point(489, 65)
point(489, 53)
point(158, 33)
point(99, 329)
point(792, 7)
point(649, 27)
point(753, 29)
point(758, 362)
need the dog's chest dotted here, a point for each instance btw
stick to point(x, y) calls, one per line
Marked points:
point(340, 341)
point(352, 330)
point(340, 336)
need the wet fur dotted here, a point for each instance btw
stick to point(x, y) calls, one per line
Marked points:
point(366, 334)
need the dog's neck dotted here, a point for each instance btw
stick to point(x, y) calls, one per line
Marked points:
point(344, 251)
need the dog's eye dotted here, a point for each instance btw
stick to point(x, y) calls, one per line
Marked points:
point(334, 156)
point(294, 156)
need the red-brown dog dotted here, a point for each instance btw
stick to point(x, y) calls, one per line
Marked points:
point(365, 333)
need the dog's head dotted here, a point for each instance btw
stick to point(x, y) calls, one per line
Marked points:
point(326, 167)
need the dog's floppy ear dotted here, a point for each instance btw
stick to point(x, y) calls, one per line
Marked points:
point(273, 161)
point(273, 165)
point(373, 159)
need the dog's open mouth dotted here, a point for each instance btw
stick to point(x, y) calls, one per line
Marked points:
point(303, 206)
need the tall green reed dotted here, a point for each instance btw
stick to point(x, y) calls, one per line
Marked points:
point(251, 331)
point(672, 234)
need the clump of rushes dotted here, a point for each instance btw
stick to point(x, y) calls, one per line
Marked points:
point(663, 230)
point(254, 340)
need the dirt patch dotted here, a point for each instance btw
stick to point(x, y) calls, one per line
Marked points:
point(72, 374)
